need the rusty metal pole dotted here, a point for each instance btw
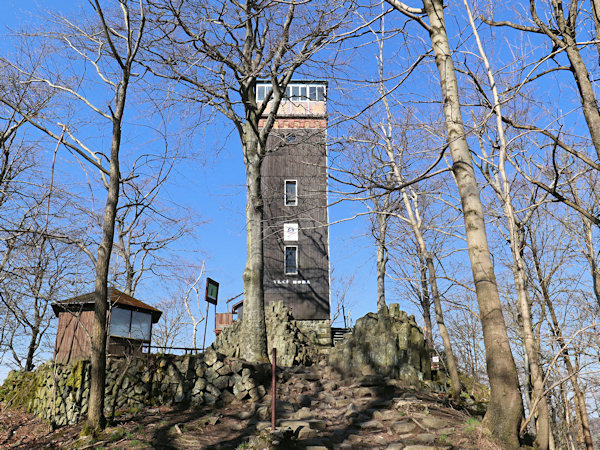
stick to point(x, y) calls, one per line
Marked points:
point(273, 389)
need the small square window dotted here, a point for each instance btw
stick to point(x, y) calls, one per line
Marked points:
point(291, 193)
point(291, 260)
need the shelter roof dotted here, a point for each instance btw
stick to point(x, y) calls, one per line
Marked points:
point(115, 297)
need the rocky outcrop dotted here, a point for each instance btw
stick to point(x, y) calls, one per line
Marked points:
point(59, 393)
point(390, 344)
point(283, 333)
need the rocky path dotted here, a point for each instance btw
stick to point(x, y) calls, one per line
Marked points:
point(316, 409)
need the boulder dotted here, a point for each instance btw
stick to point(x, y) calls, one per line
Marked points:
point(388, 344)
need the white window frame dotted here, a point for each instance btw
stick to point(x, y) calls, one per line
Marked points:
point(285, 200)
point(285, 271)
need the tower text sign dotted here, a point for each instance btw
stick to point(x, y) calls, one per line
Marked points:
point(212, 291)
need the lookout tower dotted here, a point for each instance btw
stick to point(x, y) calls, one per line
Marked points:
point(294, 189)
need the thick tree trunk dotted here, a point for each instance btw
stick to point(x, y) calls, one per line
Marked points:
point(586, 91)
point(253, 322)
point(505, 408)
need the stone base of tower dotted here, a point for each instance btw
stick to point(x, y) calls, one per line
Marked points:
point(318, 332)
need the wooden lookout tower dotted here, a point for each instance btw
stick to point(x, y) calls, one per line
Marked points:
point(294, 188)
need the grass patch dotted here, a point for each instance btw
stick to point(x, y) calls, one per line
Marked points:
point(472, 425)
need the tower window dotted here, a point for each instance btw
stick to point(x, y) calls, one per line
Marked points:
point(261, 91)
point(291, 260)
point(291, 193)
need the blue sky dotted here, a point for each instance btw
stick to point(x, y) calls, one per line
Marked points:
point(212, 189)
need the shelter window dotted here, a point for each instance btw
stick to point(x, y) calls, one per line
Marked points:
point(291, 260)
point(291, 193)
point(130, 324)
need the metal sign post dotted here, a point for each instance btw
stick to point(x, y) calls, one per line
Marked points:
point(211, 294)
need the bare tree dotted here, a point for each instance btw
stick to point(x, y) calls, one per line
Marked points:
point(543, 278)
point(193, 285)
point(39, 272)
point(170, 331)
point(109, 45)
point(504, 411)
point(216, 52)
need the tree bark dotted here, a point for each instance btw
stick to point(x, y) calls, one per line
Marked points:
point(505, 408)
point(253, 322)
point(95, 418)
point(382, 259)
point(425, 300)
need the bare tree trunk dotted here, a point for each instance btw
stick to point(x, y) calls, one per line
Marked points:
point(505, 408)
point(254, 332)
point(425, 301)
point(584, 434)
point(586, 91)
point(414, 218)
point(590, 255)
point(31, 348)
point(382, 259)
point(455, 384)
point(95, 417)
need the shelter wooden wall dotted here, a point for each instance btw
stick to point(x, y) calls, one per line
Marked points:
point(73, 336)
point(297, 154)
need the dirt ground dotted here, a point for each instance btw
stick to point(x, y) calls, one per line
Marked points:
point(315, 409)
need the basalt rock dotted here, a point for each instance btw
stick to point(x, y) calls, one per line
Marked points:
point(390, 345)
point(293, 346)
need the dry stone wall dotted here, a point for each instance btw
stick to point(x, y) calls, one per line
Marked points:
point(59, 393)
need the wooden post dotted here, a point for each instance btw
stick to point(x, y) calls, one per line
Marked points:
point(274, 389)
point(205, 326)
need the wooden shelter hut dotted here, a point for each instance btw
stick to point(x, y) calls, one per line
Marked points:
point(129, 325)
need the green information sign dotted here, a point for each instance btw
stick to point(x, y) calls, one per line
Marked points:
point(212, 291)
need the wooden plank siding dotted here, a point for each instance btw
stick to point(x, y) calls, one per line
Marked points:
point(72, 339)
point(297, 154)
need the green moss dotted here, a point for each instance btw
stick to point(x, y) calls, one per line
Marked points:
point(77, 375)
point(20, 388)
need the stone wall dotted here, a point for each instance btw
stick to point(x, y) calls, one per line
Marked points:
point(59, 393)
point(318, 332)
point(391, 345)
